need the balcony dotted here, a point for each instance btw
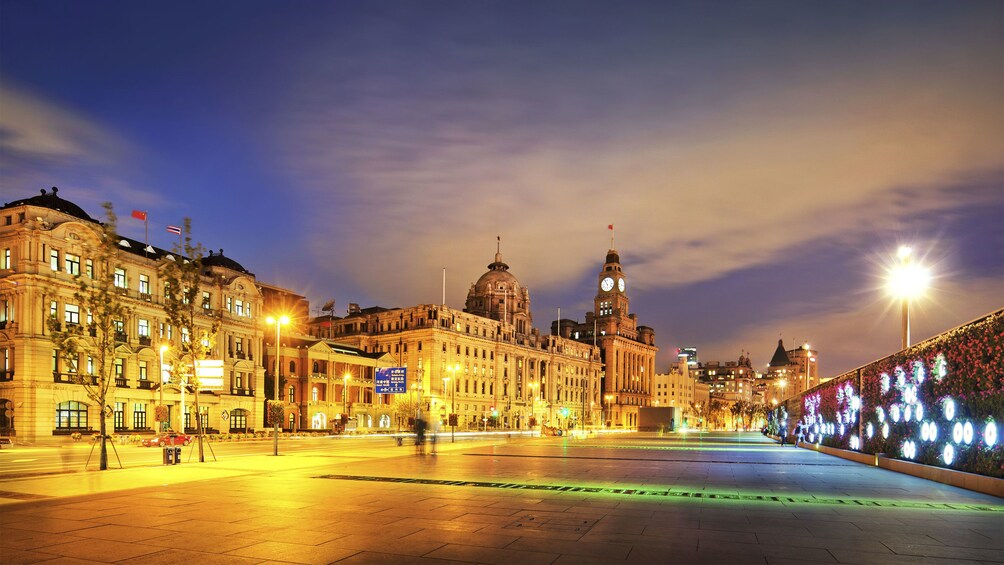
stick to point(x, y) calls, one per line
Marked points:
point(241, 391)
point(121, 382)
point(74, 378)
point(6, 376)
point(121, 337)
point(144, 340)
point(241, 355)
point(146, 296)
point(145, 385)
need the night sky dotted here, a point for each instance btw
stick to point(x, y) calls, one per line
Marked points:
point(761, 161)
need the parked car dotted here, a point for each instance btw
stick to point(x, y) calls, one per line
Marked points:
point(170, 438)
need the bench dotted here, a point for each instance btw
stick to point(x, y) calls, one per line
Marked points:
point(6, 441)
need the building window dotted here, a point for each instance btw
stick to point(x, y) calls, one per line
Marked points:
point(90, 365)
point(119, 368)
point(119, 416)
point(139, 416)
point(230, 304)
point(120, 278)
point(71, 415)
point(144, 284)
point(313, 394)
point(184, 335)
point(5, 259)
point(54, 259)
point(239, 308)
point(52, 309)
point(238, 419)
point(89, 268)
point(144, 328)
point(292, 394)
point(206, 302)
point(6, 311)
point(71, 313)
point(72, 263)
point(239, 344)
point(142, 370)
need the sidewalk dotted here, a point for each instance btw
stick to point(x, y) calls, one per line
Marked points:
point(703, 498)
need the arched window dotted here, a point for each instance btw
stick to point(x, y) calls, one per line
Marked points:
point(292, 393)
point(292, 367)
point(313, 394)
point(292, 421)
point(238, 420)
point(71, 415)
point(6, 422)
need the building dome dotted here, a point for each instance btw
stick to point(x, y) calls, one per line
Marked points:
point(613, 257)
point(499, 295)
point(52, 201)
point(218, 260)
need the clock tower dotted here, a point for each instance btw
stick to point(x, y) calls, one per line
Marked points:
point(611, 299)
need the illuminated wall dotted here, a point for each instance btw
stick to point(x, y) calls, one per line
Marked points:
point(940, 402)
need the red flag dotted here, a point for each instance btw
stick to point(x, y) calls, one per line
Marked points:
point(610, 227)
point(139, 215)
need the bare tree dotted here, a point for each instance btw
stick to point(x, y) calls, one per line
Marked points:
point(106, 312)
point(191, 314)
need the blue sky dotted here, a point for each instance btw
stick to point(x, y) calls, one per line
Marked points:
point(760, 161)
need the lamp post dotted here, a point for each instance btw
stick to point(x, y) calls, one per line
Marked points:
point(533, 398)
point(453, 402)
point(163, 348)
point(808, 371)
point(907, 280)
point(345, 395)
point(278, 322)
point(609, 398)
point(782, 383)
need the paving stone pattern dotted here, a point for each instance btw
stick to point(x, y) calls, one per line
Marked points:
point(619, 498)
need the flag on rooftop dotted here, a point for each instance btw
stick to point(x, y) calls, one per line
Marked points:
point(174, 229)
point(139, 215)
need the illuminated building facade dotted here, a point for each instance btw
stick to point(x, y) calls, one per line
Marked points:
point(627, 349)
point(486, 363)
point(45, 243)
point(792, 372)
point(676, 389)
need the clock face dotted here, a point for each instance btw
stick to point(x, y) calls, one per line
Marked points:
point(620, 285)
point(607, 284)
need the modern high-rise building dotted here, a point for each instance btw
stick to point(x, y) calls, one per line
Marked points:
point(627, 349)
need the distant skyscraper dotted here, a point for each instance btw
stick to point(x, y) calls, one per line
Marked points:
point(690, 353)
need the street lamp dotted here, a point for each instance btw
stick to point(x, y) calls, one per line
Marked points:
point(345, 390)
point(533, 397)
point(453, 401)
point(278, 323)
point(609, 398)
point(163, 348)
point(782, 383)
point(808, 358)
point(907, 280)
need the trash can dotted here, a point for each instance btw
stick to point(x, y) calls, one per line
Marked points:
point(168, 456)
point(177, 455)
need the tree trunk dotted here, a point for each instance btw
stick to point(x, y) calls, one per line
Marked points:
point(198, 425)
point(104, 441)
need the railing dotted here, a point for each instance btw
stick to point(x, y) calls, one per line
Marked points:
point(6, 376)
point(121, 382)
point(145, 385)
point(241, 391)
point(144, 340)
point(74, 378)
point(121, 337)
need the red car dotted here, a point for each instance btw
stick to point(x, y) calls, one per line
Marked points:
point(170, 438)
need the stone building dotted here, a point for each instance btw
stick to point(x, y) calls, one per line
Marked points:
point(627, 349)
point(677, 388)
point(486, 363)
point(45, 243)
point(791, 372)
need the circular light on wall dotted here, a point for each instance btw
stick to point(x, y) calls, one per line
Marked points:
point(948, 454)
point(870, 430)
point(918, 411)
point(885, 383)
point(812, 438)
point(841, 429)
point(880, 413)
point(940, 367)
point(908, 413)
point(855, 443)
point(909, 449)
point(918, 371)
point(900, 378)
point(948, 408)
point(957, 432)
point(894, 413)
point(885, 430)
point(924, 432)
point(990, 434)
point(856, 403)
point(967, 433)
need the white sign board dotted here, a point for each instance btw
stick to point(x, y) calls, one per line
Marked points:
point(210, 374)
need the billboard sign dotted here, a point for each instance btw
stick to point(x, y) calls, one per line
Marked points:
point(210, 374)
point(391, 380)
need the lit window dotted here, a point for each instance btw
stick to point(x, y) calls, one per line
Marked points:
point(71, 313)
point(144, 284)
point(72, 264)
point(89, 268)
point(5, 259)
point(144, 328)
point(120, 278)
point(54, 259)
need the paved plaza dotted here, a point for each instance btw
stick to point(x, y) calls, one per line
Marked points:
point(638, 498)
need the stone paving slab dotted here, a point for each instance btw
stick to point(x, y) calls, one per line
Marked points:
point(630, 498)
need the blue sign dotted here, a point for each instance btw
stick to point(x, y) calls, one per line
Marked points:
point(392, 380)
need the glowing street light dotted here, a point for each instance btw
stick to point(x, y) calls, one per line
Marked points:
point(782, 383)
point(163, 349)
point(453, 401)
point(907, 280)
point(345, 390)
point(278, 323)
point(609, 398)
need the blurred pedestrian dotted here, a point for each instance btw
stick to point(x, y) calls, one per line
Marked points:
point(420, 426)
